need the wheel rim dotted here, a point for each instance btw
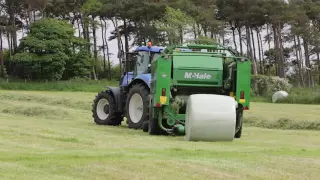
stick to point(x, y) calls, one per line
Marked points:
point(135, 108)
point(103, 109)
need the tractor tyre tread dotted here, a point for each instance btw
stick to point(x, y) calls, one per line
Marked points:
point(144, 93)
point(114, 118)
point(153, 128)
point(239, 120)
point(145, 126)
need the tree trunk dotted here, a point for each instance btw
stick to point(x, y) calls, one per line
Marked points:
point(282, 63)
point(107, 46)
point(240, 39)
point(29, 18)
point(126, 34)
point(195, 31)
point(298, 63)
point(276, 49)
point(78, 23)
point(198, 30)
point(95, 52)
point(216, 37)
point(253, 48)
point(103, 46)
point(11, 11)
point(262, 53)
point(1, 56)
point(181, 35)
point(115, 23)
point(318, 60)
point(234, 38)
point(300, 55)
point(259, 51)
point(269, 43)
point(223, 39)
point(9, 45)
point(307, 61)
point(205, 31)
point(94, 73)
point(34, 16)
point(88, 36)
point(84, 30)
point(249, 51)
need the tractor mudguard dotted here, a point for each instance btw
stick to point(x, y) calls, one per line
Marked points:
point(142, 78)
point(116, 92)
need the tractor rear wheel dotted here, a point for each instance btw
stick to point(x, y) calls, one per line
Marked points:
point(145, 126)
point(137, 106)
point(104, 110)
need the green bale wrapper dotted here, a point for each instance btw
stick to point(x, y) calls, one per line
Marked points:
point(199, 94)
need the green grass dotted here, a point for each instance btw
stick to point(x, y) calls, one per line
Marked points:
point(284, 116)
point(296, 96)
point(68, 86)
point(50, 135)
point(303, 96)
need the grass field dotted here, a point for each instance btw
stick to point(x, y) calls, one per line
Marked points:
point(50, 135)
point(296, 95)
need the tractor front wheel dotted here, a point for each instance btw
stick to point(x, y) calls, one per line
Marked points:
point(104, 110)
point(137, 104)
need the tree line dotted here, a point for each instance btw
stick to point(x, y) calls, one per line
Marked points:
point(282, 38)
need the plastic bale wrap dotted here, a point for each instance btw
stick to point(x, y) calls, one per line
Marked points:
point(279, 95)
point(210, 118)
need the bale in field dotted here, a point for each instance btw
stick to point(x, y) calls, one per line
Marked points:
point(279, 95)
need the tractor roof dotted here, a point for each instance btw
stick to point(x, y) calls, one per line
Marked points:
point(151, 49)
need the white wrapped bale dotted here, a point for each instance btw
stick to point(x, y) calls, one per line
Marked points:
point(210, 118)
point(279, 95)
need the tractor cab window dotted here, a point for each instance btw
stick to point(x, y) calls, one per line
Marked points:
point(130, 63)
point(142, 62)
point(155, 56)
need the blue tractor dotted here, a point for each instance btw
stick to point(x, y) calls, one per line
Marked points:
point(131, 98)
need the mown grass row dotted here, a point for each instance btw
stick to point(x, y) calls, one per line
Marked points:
point(65, 102)
point(58, 105)
point(67, 86)
point(50, 105)
point(296, 95)
point(283, 123)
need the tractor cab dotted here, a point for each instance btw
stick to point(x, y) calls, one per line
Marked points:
point(138, 64)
